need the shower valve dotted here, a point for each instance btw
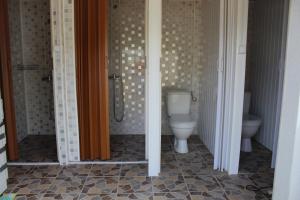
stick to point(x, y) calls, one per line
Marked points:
point(114, 76)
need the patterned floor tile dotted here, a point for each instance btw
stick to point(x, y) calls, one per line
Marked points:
point(60, 196)
point(75, 170)
point(100, 185)
point(133, 155)
point(130, 182)
point(170, 169)
point(245, 195)
point(194, 169)
point(215, 195)
point(134, 170)
point(135, 196)
point(165, 139)
point(50, 171)
point(19, 171)
point(11, 184)
point(164, 184)
point(234, 182)
point(192, 157)
point(67, 185)
point(105, 170)
point(240, 187)
point(167, 157)
point(97, 197)
point(116, 156)
point(166, 148)
point(202, 183)
point(28, 196)
point(262, 180)
point(33, 186)
point(37, 148)
point(172, 195)
point(194, 139)
point(134, 185)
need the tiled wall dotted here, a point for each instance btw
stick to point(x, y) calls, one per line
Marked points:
point(190, 50)
point(31, 59)
point(182, 51)
point(127, 58)
point(18, 75)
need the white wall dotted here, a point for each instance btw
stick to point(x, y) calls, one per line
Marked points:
point(209, 80)
point(287, 173)
point(263, 64)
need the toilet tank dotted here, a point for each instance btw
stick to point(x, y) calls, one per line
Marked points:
point(178, 102)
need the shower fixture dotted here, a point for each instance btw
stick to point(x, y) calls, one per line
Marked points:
point(114, 77)
point(116, 4)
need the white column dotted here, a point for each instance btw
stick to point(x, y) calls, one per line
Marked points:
point(153, 84)
point(287, 170)
point(237, 21)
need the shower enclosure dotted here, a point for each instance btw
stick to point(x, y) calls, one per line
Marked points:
point(30, 44)
point(127, 66)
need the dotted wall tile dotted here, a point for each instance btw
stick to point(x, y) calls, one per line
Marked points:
point(36, 32)
point(31, 59)
point(182, 50)
point(17, 75)
point(39, 102)
point(127, 58)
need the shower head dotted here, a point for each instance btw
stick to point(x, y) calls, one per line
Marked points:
point(115, 6)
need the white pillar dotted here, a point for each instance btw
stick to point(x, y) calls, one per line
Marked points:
point(287, 170)
point(153, 84)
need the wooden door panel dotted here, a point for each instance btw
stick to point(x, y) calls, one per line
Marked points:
point(7, 85)
point(92, 78)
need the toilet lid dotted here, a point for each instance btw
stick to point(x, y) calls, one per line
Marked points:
point(182, 121)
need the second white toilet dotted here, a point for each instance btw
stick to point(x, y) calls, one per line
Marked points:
point(181, 122)
point(251, 124)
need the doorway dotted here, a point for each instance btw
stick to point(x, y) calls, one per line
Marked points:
point(266, 45)
point(32, 133)
point(111, 84)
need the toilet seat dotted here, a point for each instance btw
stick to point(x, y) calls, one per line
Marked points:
point(182, 121)
point(251, 120)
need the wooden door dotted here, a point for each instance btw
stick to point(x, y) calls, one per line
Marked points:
point(6, 84)
point(92, 78)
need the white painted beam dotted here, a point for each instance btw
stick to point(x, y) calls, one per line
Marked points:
point(153, 84)
point(287, 170)
point(235, 65)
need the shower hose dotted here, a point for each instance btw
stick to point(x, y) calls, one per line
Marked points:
point(114, 78)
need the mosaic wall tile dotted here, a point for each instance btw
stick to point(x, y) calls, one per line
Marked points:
point(181, 63)
point(31, 61)
point(127, 58)
point(17, 59)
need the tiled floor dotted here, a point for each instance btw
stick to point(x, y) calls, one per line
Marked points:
point(42, 148)
point(188, 176)
point(38, 148)
point(127, 147)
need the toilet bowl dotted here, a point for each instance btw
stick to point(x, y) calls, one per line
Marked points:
point(251, 124)
point(250, 127)
point(182, 127)
point(181, 122)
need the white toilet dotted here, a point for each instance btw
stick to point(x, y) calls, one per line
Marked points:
point(251, 125)
point(181, 122)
